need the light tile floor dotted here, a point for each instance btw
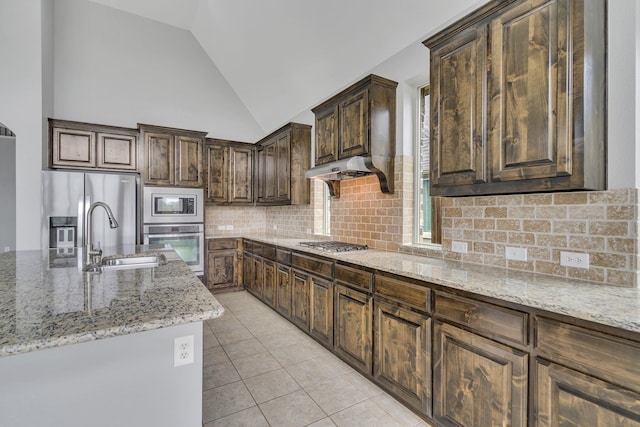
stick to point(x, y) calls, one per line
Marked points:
point(260, 370)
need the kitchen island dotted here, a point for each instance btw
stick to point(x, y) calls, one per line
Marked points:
point(97, 348)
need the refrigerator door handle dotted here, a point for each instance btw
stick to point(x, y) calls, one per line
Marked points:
point(83, 206)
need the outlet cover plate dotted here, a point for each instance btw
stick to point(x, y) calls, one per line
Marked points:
point(460, 247)
point(516, 254)
point(574, 259)
point(183, 350)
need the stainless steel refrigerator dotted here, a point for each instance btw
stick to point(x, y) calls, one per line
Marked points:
point(67, 197)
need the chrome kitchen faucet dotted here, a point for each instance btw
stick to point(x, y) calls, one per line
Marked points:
point(94, 255)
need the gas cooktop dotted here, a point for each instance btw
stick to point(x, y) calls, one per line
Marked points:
point(334, 246)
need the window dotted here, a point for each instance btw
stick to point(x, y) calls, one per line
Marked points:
point(326, 210)
point(427, 218)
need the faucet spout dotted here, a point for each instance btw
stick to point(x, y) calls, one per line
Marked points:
point(93, 254)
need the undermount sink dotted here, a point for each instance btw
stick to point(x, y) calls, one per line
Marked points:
point(121, 262)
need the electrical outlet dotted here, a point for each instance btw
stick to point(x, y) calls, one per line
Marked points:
point(460, 247)
point(275, 227)
point(308, 231)
point(183, 349)
point(516, 254)
point(7, 248)
point(574, 259)
point(230, 227)
point(221, 227)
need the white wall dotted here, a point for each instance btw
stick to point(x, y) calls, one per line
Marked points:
point(7, 193)
point(116, 68)
point(21, 108)
point(622, 87)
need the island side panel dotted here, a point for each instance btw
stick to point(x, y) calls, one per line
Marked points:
point(125, 380)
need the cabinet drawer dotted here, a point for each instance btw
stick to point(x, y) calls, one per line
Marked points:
point(269, 252)
point(493, 321)
point(403, 292)
point(610, 358)
point(219, 244)
point(248, 246)
point(317, 266)
point(353, 277)
point(283, 256)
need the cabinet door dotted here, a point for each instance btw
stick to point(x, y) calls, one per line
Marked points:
point(300, 299)
point(283, 167)
point(321, 316)
point(116, 151)
point(565, 397)
point(354, 126)
point(240, 175)
point(217, 183)
point(247, 270)
point(73, 148)
point(477, 382)
point(188, 161)
point(458, 141)
point(531, 90)
point(267, 183)
point(158, 158)
point(283, 290)
point(326, 150)
point(221, 267)
point(403, 354)
point(269, 282)
point(353, 330)
point(257, 281)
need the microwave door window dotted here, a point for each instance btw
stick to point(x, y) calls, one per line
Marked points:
point(186, 247)
point(168, 205)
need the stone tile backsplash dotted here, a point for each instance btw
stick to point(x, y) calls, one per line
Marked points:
point(603, 224)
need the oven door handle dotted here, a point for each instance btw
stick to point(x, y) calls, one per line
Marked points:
point(147, 235)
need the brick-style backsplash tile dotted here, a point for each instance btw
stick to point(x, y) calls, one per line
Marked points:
point(603, 224)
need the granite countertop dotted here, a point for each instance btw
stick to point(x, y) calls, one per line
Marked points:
point(604, 304)
point(47, 301)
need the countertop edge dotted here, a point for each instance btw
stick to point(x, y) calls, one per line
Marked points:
point(597, 311)
point(15, 349)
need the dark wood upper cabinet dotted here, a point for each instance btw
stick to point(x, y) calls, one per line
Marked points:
point(353, 125)
point(459, 137)
point(172, 157)
point(74, 145)
point(518, 100)
point(229, 167)
point(359, 121)
point(283, 157)
point(326, 150)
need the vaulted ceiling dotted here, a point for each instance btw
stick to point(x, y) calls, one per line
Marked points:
point(294, 54)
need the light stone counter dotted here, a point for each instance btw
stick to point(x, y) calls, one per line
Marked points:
point(608, 305)
point(47, 301)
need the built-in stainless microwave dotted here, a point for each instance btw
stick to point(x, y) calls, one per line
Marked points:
point(170, 205)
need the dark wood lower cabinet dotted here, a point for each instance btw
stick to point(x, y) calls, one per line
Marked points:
point(283, 290)
point(454, 358)
point(353, 328)
point(565, 397)
point(402, 361)
point(257, 282)
point(477, 382)
point(300, 299)
point(321, 305)
point(223, 265)
point(269, 282)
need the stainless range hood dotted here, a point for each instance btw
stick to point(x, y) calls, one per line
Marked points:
point(342, 169)
point(353, 167)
